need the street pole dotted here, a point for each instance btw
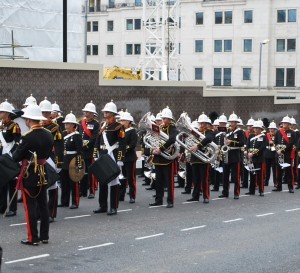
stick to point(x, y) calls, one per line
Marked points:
point(259, 71)
point(85, 32)
point(65, 31)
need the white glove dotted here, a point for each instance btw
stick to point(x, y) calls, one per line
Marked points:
point(85, 142)
point(120, 163)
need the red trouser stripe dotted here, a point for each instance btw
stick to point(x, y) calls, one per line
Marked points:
point(77, 198)
point(134, 179)
point(27, 217)
point(207, 181)
point(172, 181)
point(238, 179)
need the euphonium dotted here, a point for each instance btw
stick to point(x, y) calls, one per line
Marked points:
point(155, 138)
point(188, 137)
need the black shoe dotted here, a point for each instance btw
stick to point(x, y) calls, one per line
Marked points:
point(27, 242)
point(276, 190)
point(205, 201)
point(266, 184)
point(249, 193)
point(214, 190)
point(112, 212)
point(291, 191)
point(154, 195)
point(91, 196)
point(43, 241)
point(149, 189)
point(100, 210)
point(178, 186)
point(261, 194)
point(192, 200)
point(131, 201)
point(297, 188)
point(10, 214)
point(170, 205)
point(155, 204)
point(62, 206)
point(186, 192)
point(244, 187)
point(121, 199)
point(223, 196)
point(51, 219)
point(73, 207)
point(236, 197)
point(145, 184)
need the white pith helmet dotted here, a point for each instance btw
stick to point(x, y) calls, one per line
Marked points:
point(158, 116)
point(6, 107)
point(55, 108)
point(204, 118)
point(233, 117)
point(216, 122)
point(272, 125)
point(258, 124)
point(90, 107)
point(250, 122)
point(30, 100)
point(46, 105)
point(110, 107)
point(293, 121)
point(166, 113)
point(195, 124)
point(222, 118)
point(286, 119)
point(126, 116)
point(33, 111)
point(240, 122)
point(70, 118)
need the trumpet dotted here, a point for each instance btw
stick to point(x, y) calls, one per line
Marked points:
point(188, 137)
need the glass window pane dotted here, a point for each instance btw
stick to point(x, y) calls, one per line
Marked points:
point(217, 76)
point(129, 49)
point(129, 24)
point(110, 50)
point(292, 15)
point(137, 23)
point(279, 76)
point(199, 18)
point(218, 17)
point(228, 17)
point(199, 46)
point(280, 45)
point(218, 45)
point(111, 4)
point(248, 16)
point(246, 74)
point(247, 45)
point(138, 3)
point(88, 50)
point(88, 26)
point(198, 73)
point(227, 45)
point(137, 49)
point(110, 25)
point(95, 26)
point(280, 16)
point(95, 49)
point(291, 45)
point(290, 77)
point(227, 76)
point(92, 6)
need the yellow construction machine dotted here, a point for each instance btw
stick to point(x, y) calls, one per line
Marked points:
point(118, 73)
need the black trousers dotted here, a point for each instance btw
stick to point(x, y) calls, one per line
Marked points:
point(164, 176)
point(270, 164)
point(34, 198)
point(234, 170)
point(103, 196)
point(217, 177)
point(129, 171)
point(53, 202)
point(245, 174)
point(201, 180)
point(288, 174)
point(8, 189)
point(86, 181)
point(189, 177)
point(257, 178)
point(67, 187)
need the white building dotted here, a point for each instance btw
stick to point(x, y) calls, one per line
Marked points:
point(219, 41)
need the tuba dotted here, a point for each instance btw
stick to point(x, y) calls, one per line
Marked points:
point(188, 137)
point(156, 138)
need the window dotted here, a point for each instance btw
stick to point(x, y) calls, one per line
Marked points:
point(199, 18)
point(138, 3)
point(227, 45)
point(133, 49)
point(285, 77)
point(111, 4)
point(218, 17)
point(281, 16)
point(289, 15)
point(199, 46)
point(218, 46)
point(95, 26)
point(95, 49)
point(198, 73)
point(132, 24)
point(129, 49)
point(246, 74)
point(292, 15)
point(110, 49)
point(88, 26)
point(137, 49)
point(280, 45)
point(110, 25)
point(88, 50)
point(218, 73)
point(247, 45)
point(291, 45)
point(228, 17)
point(248, 16)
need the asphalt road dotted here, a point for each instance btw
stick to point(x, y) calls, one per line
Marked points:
point(252, 234)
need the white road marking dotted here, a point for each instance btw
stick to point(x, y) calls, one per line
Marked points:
point(28, 259)
point(124, 210)
point(244, 195)
point(150, 236)
point(233, 220)
point(219, 198)
point(151, 207)
point(266, 214)
point(190, 202)
point(191, 228)
point(79, 216)
point(285, 190)
point(268, 192)
point(21, 224)
point(97, 246)
point(288, 210)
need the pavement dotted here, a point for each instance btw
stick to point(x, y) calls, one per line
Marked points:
point(252, 234)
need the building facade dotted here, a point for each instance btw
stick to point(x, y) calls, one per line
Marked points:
point(230, 44)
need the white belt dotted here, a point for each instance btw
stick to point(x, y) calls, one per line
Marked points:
point(71, 152)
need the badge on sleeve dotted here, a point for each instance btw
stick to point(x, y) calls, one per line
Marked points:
point(288, 134)
point(90, 126)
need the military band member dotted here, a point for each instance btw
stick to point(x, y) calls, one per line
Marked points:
point(201, 169)
point(34, 149)
point(56, 155)
point(234, 140)
point(256, 145)
point(56, 116)
point(72, 148)
point(9, 139)
point(285, 141)
point(164, 168)
point(129, 168)
point(270, 154)
point(89, 128)
point(297, 136)
point(110, 140)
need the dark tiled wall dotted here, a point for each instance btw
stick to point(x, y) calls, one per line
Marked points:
point(73, 89)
